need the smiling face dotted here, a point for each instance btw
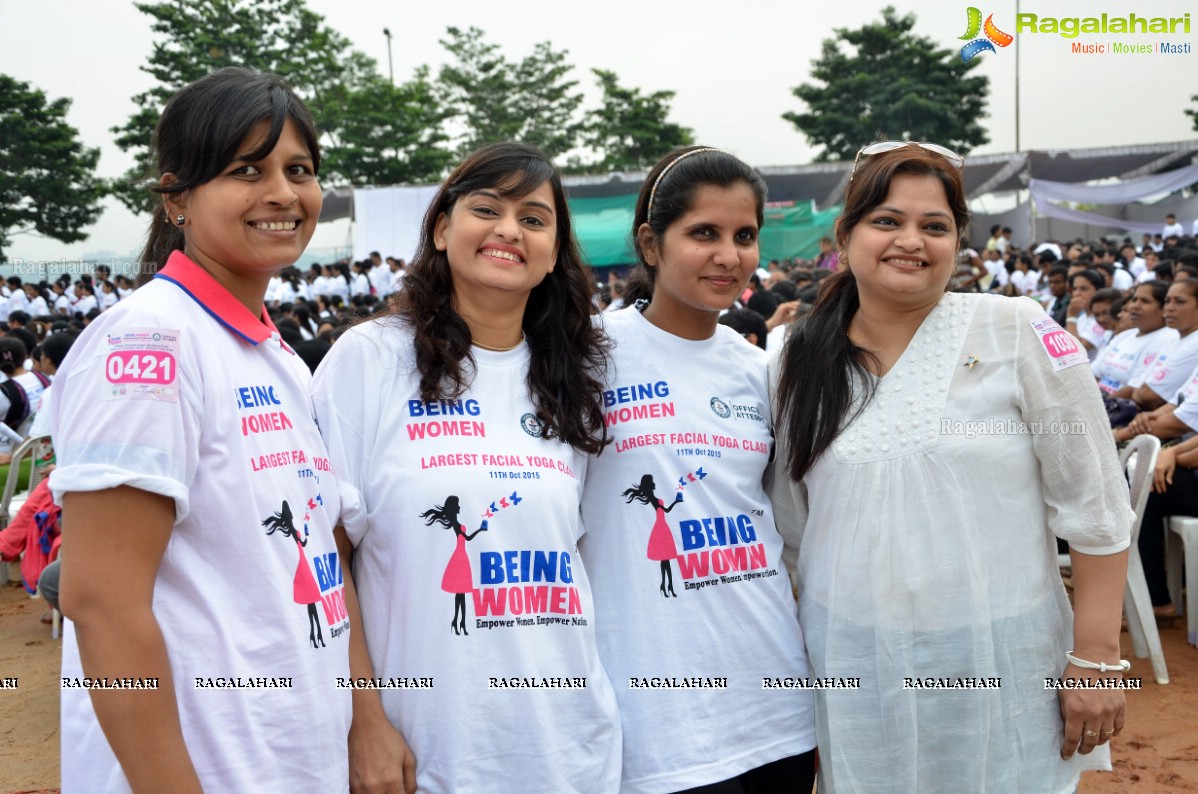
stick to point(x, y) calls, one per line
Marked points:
point(703, 260)
point(499, 244)
point(902, 252)
point(1144, 312)
point(253, 218)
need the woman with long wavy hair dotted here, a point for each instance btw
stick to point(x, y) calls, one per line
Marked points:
point(482, 381)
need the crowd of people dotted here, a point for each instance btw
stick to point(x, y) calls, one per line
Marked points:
point(608, 487)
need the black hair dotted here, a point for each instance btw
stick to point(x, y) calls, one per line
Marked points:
point(1106, 295)
point(19, 317)
point(13, 353)
point(1091, 276)
point(56, 347)
point(672, 197)
point(785, 289)
point(746, 321)
point(1159, 290)
point(202, 130)
point(1058, 270)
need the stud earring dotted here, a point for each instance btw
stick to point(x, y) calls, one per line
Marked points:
point(180, 220)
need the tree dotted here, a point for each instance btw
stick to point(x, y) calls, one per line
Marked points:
point(494, 99)
point(198, 37)
point(47, 176)
point(1193, 113)
point(896, 85)
point(387, 135)
point(629, 130)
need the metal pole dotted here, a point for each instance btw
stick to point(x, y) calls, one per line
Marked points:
point(391, 70)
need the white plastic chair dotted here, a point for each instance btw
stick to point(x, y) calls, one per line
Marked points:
point(1181, 540)
point(1139, 461)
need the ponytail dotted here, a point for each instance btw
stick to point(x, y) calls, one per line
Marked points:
point(164, 237)
point(820, 368)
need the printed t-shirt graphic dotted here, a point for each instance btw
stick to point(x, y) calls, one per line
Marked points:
point(462, 508)
point(180, 391)
point(693, 605)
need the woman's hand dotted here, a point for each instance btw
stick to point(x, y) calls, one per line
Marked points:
point(1166, 464)
point(380, 761)
point(1142, 423)
point(1092, 716)
point(782, 315)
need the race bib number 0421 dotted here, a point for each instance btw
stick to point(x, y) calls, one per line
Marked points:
point(142, 364)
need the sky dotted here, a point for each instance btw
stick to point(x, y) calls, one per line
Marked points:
point(732, 65)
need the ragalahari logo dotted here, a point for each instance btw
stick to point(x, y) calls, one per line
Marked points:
point(992, 36)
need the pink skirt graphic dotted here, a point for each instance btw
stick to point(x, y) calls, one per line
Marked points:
point(661, 539)
point(458, 578)
point(305, 590)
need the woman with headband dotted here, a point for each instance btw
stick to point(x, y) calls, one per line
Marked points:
point(693, 607)
point(930, 446)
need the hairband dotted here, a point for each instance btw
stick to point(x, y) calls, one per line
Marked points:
point(666, 170)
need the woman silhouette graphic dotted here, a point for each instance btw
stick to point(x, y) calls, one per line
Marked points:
point(457, 578)
point(661, 539)
point(305, 589)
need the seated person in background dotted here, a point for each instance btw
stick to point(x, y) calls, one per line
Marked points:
point(1125, 362)
point(1174, 493)
point(33, 535)
point(1174, 363)
point(1079, 321)
point(1058, 287)
point(747, 323)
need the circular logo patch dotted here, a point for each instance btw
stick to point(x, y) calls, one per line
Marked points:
point(531, 425)
point(720, 408)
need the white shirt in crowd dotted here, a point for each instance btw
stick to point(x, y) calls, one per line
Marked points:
point(1170, 368)
point(1127, 355)
point(1173, 230)
point(84, 305)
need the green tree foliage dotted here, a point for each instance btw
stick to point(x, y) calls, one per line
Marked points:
point(629, 130)
point(47, 177)
point(1193, 113)
point(892, 85)
point(494, 99)
point(195, 37)
point(387, 135)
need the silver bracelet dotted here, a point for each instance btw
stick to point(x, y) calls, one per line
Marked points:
point(1123, 666)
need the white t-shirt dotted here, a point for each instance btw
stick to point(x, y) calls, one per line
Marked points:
point(927, 555)
point(1171, 367)
point(1025, 282)
point(693, 416)
point(38, 307)
point(84, 305)
point(1172, 229)
point(1113, 366)
point(1089, 329)
point(62, 305)
point(380, 278)
point(1157, 341)
point(1122, 280)
point(502, 710)
point(181, 391)
point(360, 285)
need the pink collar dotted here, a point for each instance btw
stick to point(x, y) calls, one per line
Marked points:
point(201, 287)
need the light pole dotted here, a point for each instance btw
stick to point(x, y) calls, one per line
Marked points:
point(390, 65)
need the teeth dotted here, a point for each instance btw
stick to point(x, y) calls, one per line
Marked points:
point(502, 255)
point(897, 261)
point(283, 226)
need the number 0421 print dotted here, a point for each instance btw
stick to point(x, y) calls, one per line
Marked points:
point(142, 364)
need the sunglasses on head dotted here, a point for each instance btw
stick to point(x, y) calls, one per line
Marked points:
point(882, 147)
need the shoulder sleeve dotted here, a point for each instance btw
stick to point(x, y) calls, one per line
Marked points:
point(346, 396)
point(129, 428)
point(1083, 486)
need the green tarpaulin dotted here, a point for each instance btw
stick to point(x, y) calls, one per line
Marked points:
point(604, 230)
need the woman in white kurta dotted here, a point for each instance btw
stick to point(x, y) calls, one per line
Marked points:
point(968, 431)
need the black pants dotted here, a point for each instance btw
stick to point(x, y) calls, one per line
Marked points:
point(1180, 499)
point(794, 775)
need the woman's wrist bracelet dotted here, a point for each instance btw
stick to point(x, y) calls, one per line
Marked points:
point(1123, 666)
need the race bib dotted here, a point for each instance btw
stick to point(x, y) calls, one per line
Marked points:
point(142, 364)
point(1062, 349)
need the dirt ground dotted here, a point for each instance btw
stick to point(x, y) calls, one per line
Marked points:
point(1156, 754)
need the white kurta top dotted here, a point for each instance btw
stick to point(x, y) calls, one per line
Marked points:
point(926, 551)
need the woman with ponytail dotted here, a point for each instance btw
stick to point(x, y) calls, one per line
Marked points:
point(930, 446)
point(181, 423)
point(696, 583)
